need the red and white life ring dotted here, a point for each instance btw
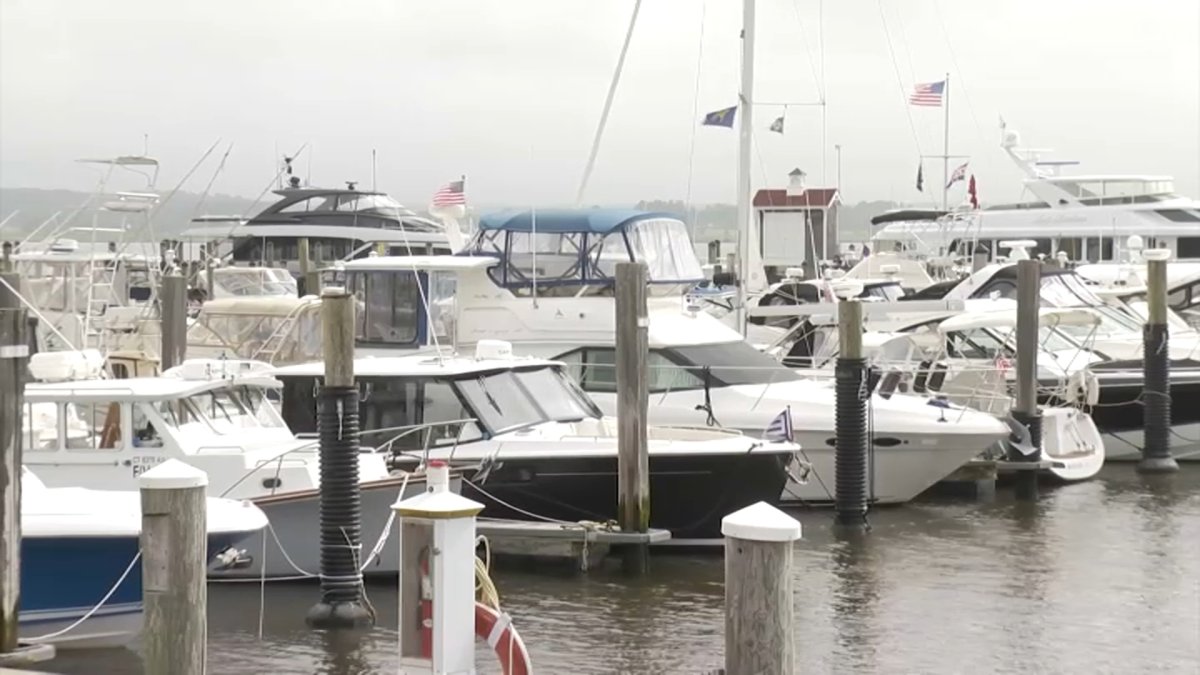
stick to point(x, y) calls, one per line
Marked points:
point(497, 630)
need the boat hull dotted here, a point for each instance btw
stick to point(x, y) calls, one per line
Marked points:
point(293, 543)
point(55, 594)
point(689, 493)
point(897, 473)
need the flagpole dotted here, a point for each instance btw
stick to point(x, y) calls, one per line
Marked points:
point(946, 147)
point(745, 131)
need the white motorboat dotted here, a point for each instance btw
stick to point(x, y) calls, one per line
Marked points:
point(535, 445)
point(215, 415)
point(81, 580)
point(1087, 218)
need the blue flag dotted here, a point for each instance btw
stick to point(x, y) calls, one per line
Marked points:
point(780, 428)
point(720, 118)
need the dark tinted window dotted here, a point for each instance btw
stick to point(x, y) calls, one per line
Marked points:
point(1187, 247)
point(1179, 215)
point(731, 363)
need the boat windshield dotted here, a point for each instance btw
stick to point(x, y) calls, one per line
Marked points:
point(500, 402)
point(224, 411)
point(730, 363)
point(560, 398)
point(233, 282)
point(512, 400)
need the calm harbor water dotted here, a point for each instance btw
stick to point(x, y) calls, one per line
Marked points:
point(1101, 577)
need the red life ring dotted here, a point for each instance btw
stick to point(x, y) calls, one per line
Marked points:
point(492, 627)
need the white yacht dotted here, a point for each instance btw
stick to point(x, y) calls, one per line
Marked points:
point(82, 431)
point(543, 281)
point(1087, 217)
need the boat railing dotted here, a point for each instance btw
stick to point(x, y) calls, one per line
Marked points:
point(409, 430)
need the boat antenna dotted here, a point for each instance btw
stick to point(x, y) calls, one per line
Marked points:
point(145, 145)
point(373, 184)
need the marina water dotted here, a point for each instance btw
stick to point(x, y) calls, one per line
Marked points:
point(1097, 577)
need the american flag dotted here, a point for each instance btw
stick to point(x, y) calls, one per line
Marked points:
point(929, 94)
point(452, 193)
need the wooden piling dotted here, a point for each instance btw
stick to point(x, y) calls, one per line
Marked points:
point(172, 301)
point(759, 616)
point(633, 399)
point(850, 460)
point(341, 604)
point(173, 542)
point(1025, 409)
point(14, 355)
point(1156, 369)
point(308, 275)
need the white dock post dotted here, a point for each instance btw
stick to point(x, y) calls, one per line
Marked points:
point(437, 578)
point(759, 616)
point(173, 543)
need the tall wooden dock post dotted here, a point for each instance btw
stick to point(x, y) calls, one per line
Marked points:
point(1026, 411)
point(850, 461)
point(172, 307)
point(759, 616)
point(1156, 369)
point(309, 277)
point(174, 539)
point(14, 355)
point(633, 400)
point(341, 603)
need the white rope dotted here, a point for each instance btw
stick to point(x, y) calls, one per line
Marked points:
point(93, 610)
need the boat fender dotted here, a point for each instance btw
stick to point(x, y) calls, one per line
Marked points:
point(1083, 389)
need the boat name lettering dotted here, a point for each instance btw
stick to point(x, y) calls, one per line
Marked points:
point(143, 464)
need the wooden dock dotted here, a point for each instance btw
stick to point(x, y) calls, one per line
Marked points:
point(581, 545)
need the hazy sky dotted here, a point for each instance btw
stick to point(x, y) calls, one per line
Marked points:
point(509, 92)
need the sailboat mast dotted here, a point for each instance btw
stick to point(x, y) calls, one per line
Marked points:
point(745, 131)
point(946, 148)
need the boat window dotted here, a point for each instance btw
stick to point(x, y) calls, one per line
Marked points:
point(544, 257)
point(1072, 246)
point(731, 363)
point(499, 402)
point(364, 202)
point(1099, 249)
point(1179, 215)
point(594, 368)
point(395, 406)
point(1187, 247)
point(41, 427)
point(93, 426)
point(443, 286)
point(145, 433)
point(557, 395)
point(318, 203)
point(975, 344)
point(664, 245)
point(389, 307)
point(228, 410)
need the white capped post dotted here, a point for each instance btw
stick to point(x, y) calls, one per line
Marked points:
point(437, 578)
point(758, 591)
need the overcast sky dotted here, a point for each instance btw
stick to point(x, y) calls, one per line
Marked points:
point(509, 92)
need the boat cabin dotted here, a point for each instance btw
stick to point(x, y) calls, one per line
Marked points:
point(339, 224)
point(411, 402)
point(276, 329)
point(77, 425)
